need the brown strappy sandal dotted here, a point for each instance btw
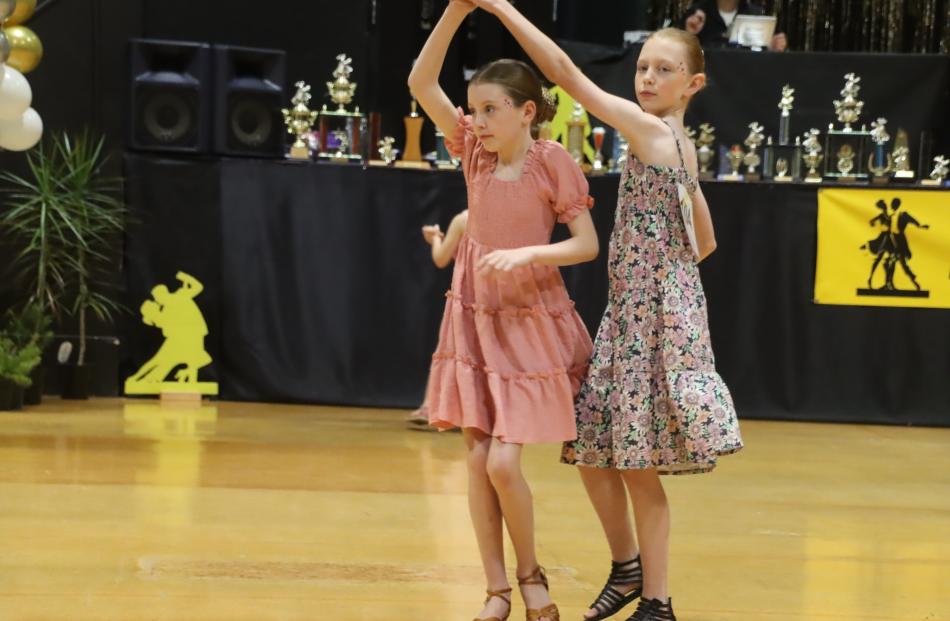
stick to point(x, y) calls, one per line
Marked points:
point(502, 595)
point(549, 612)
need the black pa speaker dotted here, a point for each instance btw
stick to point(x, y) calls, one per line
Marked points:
point(171, 96)
point(248, 96)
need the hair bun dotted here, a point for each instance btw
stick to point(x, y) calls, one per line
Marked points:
point(549, 106)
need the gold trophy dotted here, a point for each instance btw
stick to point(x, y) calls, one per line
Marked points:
point(299, 120)
point(576, 131)
point(752, 158)
point(704, 151)
point(735, 157)
point(848, 110)
point(412, 153)
point(341, 92)
point(939, 173)
point(902, 169)
point(846, 163)
point(880, 161)
point(387, 154)
point(598, 168)
point(620, 148)
point(785, 105)
point(849, 107)
point(812, 157)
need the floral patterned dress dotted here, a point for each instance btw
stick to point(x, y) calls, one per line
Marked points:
point(652, 397)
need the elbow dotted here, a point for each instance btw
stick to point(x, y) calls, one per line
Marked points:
point(707, 250)
point(593, 251)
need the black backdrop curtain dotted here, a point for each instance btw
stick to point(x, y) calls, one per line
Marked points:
point(911, 91)
point(319, 288)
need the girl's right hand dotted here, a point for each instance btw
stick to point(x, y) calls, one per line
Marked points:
point(466, 5)
point(431, 232)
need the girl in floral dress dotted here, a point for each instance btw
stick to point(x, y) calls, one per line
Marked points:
point(512, 350)
point(652, 402)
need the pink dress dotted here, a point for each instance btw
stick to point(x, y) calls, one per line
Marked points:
point(512, 350)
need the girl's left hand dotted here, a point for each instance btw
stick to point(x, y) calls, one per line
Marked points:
point(504, 260)
point(487, 5)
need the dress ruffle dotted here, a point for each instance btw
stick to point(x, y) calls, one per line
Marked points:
point(512, 353)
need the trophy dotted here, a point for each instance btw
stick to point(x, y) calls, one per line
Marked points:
point(576, 131)
point(880, 161)
point(848, 110)
point(620, 147)
point(901, 155)
point(299, 120)
point(412, 153)
point(704, 151)
point(785, 150)
point(812, 156)
point(735, 158)
point(387, 154)
point(785, 104)
point(939, 173)
point(443, 160)
point(690, 134)
point(598, 167)
point(341, 92)
point(845, 163)
point(752, 158)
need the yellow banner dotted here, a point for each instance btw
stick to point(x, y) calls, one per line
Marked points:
point(883, 247)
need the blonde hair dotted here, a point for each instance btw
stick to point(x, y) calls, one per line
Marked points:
point(522, 84)
point(695, 57)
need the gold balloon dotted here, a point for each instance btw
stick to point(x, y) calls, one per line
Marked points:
point(24, 11)
point(26, 49)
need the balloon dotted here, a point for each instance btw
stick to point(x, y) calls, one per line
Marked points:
point(15, 94)
point(26, 49)
point(4, 46)
point(23, 12)
point(6, 8)
point(23, 133)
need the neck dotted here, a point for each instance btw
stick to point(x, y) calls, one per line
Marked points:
point(728, 5)
point(515, 150)
point(678, 113)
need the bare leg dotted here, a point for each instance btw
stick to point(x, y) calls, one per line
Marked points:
point(652, 513)
point(486, 519)
point(504, 469)
point(607, 494)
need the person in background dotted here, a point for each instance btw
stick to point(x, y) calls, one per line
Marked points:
point(710, 20)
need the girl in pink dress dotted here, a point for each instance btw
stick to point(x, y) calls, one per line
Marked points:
point(512, 350)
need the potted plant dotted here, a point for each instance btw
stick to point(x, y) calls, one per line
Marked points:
point(15, 367)
point(71, 218)
point(31, 326)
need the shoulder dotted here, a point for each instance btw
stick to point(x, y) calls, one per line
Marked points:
point(460, 219)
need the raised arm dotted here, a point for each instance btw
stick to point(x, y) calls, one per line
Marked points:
point(190, 283)
point(424, 78)
point(639, 127)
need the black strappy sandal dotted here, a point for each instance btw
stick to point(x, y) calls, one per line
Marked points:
point(654, 610)
point(611, 601)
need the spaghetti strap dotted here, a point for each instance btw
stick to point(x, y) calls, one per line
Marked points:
point(679, 151)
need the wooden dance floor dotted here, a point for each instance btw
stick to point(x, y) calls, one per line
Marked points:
point(128, 510)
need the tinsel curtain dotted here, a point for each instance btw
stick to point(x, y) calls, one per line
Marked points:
point(918, 26)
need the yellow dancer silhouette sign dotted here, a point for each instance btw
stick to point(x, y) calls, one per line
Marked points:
point(883, 247)
point(184, 329)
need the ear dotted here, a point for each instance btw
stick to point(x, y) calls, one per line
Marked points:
point(696, 83)
point(530, 112)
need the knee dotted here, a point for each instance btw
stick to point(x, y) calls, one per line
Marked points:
point(503, 471)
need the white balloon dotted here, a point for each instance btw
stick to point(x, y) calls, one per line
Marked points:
point(15, 94)
point(23, 133)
